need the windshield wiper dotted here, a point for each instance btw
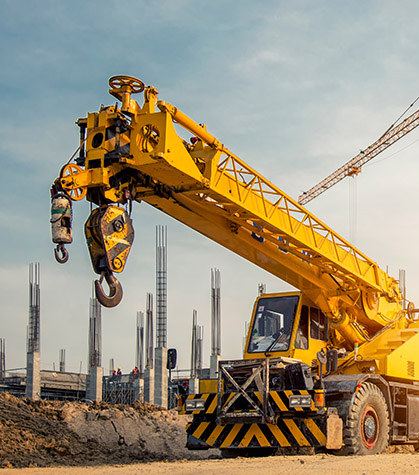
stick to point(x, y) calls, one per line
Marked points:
point(275, 341)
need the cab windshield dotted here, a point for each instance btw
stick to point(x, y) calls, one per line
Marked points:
point(273, 324)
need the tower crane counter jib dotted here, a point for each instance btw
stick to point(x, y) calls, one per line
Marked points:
point(340, 350)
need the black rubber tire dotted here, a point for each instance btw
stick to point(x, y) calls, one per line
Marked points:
point(367, 424)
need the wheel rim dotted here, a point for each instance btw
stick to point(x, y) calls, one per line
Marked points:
point(369, 427)
point(68, 173)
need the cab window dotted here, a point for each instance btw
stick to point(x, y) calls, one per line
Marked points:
point(301, 340)
point(318, 325)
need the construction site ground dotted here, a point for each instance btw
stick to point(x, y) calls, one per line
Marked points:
point(46, 437)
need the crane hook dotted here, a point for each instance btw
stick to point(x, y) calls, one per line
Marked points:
point(64, 254)
point(115, 290)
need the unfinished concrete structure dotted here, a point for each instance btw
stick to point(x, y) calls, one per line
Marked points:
point(94, 380)
point(62, 360)
point(2, 358)
point(160, 363)
point(139, 357)
point(111, 366)
point(149, 360)
point(33, 356)
point(139, 343)
point(215, 322)
point(195, 355)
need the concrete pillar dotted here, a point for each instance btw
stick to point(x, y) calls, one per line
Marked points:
point(193, 386)
point(94, 386)
point(139, 389)
point(33, 375)
point(149, 385)
point(214, 359)
point(161, 377)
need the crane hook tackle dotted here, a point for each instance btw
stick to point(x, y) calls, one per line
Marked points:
point(115, 290)
point(64, 254)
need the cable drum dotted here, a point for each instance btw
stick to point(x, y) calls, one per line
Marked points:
point(61, 219)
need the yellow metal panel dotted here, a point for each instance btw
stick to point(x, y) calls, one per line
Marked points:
point(208, 385)
point(403, 361)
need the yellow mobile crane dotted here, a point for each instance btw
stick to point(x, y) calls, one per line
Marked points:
point(332, 366)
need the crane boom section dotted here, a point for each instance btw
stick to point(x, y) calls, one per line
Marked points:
point(253, 202)
point(353, 166)
point(136, 153)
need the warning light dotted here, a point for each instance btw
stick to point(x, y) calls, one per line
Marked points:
point(194, 140)
point(319, 399)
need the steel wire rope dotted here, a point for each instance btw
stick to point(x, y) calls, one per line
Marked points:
point(395, 122)
point(79, 147)
point(391, 155)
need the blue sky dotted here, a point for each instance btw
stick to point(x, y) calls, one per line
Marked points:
point(294, 88)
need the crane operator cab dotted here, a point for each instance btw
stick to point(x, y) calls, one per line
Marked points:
point(286, 325)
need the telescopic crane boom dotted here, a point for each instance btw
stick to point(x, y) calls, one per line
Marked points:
point(135, 153)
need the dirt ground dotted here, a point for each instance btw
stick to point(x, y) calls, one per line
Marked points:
point(314, 465)
point(51, 437)
point(53, 433)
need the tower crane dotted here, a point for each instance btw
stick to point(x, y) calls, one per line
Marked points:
point(353, 166)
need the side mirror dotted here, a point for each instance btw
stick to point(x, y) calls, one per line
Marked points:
point(171, 358)
point(331, 361)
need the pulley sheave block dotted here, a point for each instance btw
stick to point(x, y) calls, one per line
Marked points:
point(109, 236)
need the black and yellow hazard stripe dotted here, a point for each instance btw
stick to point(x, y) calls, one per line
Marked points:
point(288, 432)
point(279, 401)
point(210, 403)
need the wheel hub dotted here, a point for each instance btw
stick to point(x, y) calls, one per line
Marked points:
point(369, 427)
